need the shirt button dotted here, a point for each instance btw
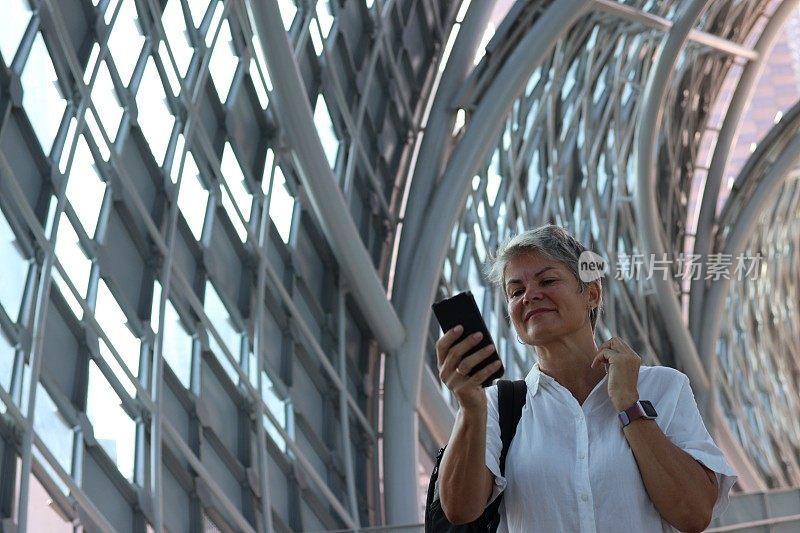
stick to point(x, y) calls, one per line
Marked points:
point(582, 455)
point(585, 497)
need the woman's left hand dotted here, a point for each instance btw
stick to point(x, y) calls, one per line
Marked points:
point(623, 371)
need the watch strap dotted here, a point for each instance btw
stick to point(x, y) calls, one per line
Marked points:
point(635, 412)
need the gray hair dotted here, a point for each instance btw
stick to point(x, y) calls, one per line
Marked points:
point(554, 242)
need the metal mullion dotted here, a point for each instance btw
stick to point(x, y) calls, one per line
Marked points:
point(167, 248)
point(396, 72)
point(209, 325)
point(265, 490)
point(41, 306)
point(172, 435)
point(200, 134)
point(355, 138)
point(665, 25)
point(344, 417)
point(299, 456)
point(373, 59)
point(75, 491)
point(36, 355)
point(314, 345)
point(202, 138)
point(156, 15)
point(89, 317)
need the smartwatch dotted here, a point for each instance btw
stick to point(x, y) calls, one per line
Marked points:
point(640, 409)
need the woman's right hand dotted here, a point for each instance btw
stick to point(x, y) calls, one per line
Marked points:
point(454, 371)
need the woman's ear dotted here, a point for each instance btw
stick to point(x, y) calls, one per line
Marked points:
point(596, 294)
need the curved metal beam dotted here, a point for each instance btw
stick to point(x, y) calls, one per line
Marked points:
point(739, 235)
point(327, 201)
point(646, 207)
point(436, 413)
point(728, 133)
point(404, 372)
point(439, 127)
point(742, 230)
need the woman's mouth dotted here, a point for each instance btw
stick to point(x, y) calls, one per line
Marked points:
point(536, 313)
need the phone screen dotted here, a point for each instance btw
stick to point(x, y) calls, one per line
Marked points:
point(462, 309)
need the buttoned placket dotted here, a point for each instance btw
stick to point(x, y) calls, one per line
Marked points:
point(584, 489)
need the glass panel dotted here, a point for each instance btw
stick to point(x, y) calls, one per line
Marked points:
point(259, 83)
point(259, 71)
point(197, 9)
point(114, 323)
point(220, 318)
point(177, 36)
point(97, 135)
point(281, 205)
point(126, 40)
point(14, 270)
point(177, 347)
point(54, 431)
point(43, 512)
point(322, 119)
point(277, 407)
point(209, 526)
point(223, 61)
point(85, 189)
point(288, 11)
point(93, 55)
point(234, 178)
point(7, 354)
point(113, 428)
point(325, 17)
point(41, 96)
point(216, 17)
point(155, 118)
point(14, 22)
point(72, 258)
point(105, 100)
point(111, 361)
point(193, 197)
point(316, 37)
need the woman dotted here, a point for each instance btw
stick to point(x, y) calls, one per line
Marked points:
point(574, 465)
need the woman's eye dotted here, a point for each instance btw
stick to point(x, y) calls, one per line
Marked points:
point(547, 281)
point(516, 293)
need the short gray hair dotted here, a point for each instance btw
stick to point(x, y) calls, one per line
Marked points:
point(553, 242)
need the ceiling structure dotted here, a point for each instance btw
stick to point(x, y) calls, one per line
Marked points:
point(222, 226)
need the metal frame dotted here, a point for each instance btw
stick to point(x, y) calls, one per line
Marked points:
point(408, 213)
point(315, 453)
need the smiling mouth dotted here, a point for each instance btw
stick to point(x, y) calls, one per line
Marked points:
point(535, 314)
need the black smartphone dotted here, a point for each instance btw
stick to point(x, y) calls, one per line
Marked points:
point(462, 309)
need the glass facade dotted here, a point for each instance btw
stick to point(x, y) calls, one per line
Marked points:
point(185, 344)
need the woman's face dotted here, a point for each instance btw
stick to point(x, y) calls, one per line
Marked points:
point(544, 298)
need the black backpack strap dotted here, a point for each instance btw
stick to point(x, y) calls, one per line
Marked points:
point(510, 400)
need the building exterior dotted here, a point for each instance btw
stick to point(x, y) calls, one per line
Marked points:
point(223, 223)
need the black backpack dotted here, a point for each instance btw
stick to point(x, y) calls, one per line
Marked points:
point(510, 400)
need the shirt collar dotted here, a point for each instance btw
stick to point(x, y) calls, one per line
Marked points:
point(534, 377)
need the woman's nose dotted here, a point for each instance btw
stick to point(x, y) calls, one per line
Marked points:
point(532, 293)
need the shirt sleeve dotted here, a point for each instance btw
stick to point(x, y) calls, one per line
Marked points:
point(494, 443)
point(687, 431)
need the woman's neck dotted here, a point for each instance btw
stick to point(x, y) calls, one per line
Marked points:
point(568, 360)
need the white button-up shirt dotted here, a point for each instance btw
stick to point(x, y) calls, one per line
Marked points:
point(570, 468)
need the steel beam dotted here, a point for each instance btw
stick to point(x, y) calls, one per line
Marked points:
point(728, 133)
point(325, 197)
point(420, 278)
point(648, 126)
point(741, 231)
point(660, 23)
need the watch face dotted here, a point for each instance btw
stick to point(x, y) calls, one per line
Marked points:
point(649, 410)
